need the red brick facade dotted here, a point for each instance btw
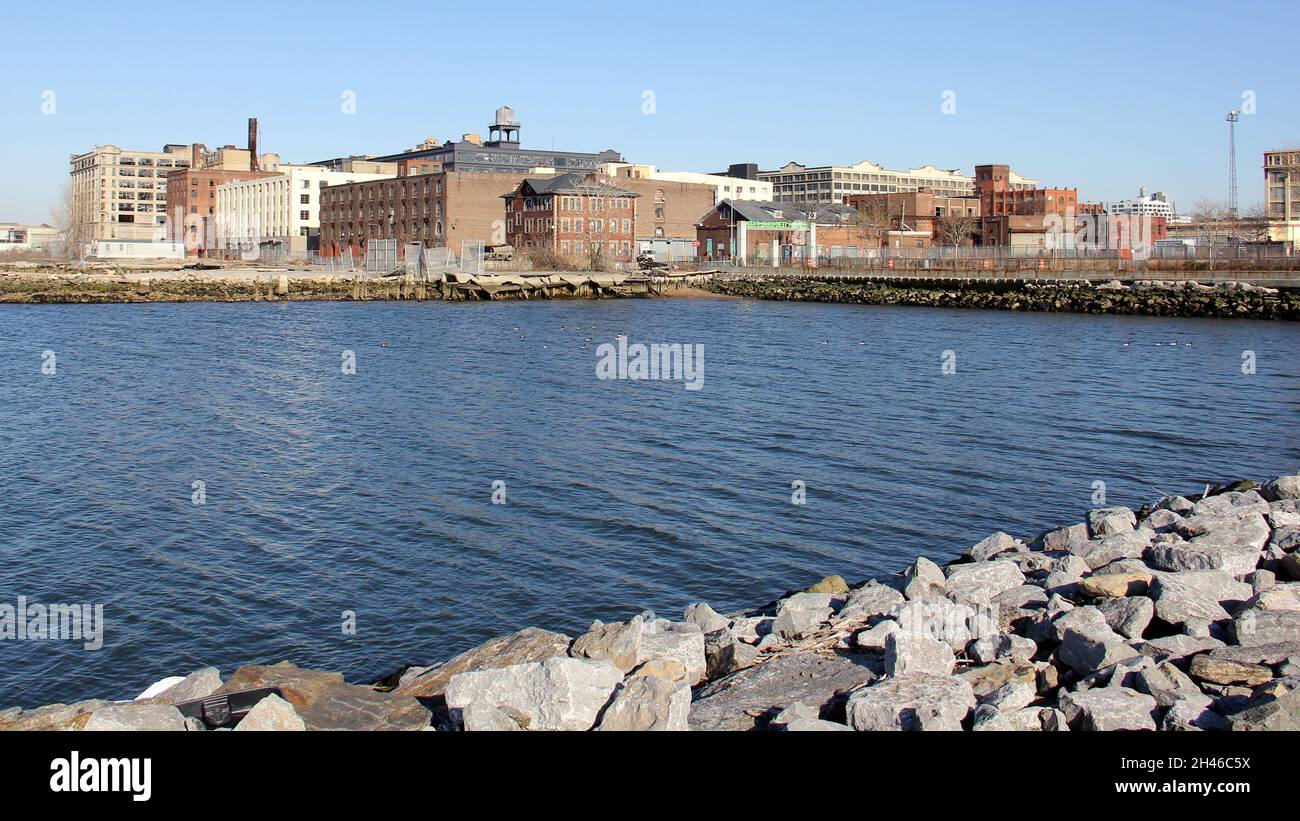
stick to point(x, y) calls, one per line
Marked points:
point(570, 214)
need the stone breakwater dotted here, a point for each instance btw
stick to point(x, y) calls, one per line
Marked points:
point(1153, 298)
point(1183, 615)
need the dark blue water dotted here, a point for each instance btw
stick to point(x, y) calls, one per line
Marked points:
point(371, 492)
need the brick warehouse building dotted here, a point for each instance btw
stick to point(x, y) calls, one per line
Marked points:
point(572, 214)
point(667, 208)
point(192, 204)
point(435, 210)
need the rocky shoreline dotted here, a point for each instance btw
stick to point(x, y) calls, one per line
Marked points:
point(1150, 298)
point(1183, 615)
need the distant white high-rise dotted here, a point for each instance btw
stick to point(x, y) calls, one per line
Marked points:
point(1154, 205)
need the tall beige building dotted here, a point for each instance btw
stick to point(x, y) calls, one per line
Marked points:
point(118, 194)
point(1282, 194)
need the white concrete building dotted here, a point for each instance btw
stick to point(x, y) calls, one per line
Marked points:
point(283, 210)
point(1153, 205)
point(793, 182)
point(724, 187)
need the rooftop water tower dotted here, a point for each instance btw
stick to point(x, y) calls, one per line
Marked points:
point(505, 130)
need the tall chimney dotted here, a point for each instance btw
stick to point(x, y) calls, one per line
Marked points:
point(252, 143)
point(196, 154)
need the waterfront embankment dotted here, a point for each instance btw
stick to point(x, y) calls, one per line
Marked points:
point(1181, 615)
point(296, 285)
point(1143, 297)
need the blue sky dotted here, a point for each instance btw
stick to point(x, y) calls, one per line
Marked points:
point(1104, 96)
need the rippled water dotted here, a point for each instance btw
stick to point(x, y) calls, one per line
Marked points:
point(371, 492)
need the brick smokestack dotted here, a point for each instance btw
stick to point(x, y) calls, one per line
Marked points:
point(196, 154)
point(252, 144)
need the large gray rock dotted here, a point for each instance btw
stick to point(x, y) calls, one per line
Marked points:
point(1283, 487)
point(870, 600)
point(1066, 537)
point(922, 580)
point(795, 621)
point(1109, 521)
point(526, 645)
point(910, 653)
point(746, 700)
point(1109, 708)
point(1231, 504)
point(981, 581)
point(1131, 544)
point(1270, 713)
point(1161, 520)
point(1180, 603)
point(875, 637)
point(916, 701)
point(1086, 651)
point(555, 694)
point(1265, 626)
point(648, 703)
point(1177, 647)
point(989, 649)
point(1179, 557)
point(1128, 615)
point(706, 617)
point(1164, 682)
point(199, 684)
point(991, 546)
point(136, 716)
point(1239, 545)
point(941, 619)
point(272, 713)
point(1192, 714)
point(618, 642)
point(724, 654)
point(676, 641)
point(1015, 695)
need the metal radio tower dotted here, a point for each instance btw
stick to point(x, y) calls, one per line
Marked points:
point(1232, 118)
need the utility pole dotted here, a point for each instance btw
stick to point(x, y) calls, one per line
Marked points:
point(1232, 118)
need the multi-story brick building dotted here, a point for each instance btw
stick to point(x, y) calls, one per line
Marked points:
point(120, 194)
point(192, 205)
point(1019, 217)
point(572, 214)
point(917, 219)
point(435, 210)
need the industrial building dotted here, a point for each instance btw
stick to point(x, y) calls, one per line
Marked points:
point(121, 194)
point(278, 214)
point(832, 183)
point(501, 153)
point(1282, 194)
point(580, 215)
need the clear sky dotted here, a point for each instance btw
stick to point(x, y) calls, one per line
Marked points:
point(1103, 96)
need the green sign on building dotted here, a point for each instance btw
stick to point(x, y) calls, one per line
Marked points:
point(785, 225)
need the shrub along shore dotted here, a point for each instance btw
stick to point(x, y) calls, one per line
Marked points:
point(1154, 298)
point(1183, 615)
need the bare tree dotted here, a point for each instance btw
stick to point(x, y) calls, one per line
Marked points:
point(1253, 224)
point(870, 222)
point(1213, 215)
point(957, 229)
point(64, 216)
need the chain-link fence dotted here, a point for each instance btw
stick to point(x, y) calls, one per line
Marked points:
point(471, 256)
